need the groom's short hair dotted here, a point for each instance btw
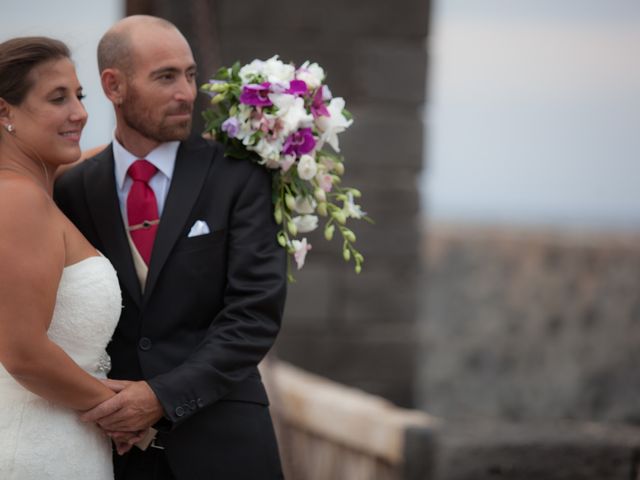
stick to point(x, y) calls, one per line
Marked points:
point(114, 48)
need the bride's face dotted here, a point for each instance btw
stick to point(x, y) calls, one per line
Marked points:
point(50, 120)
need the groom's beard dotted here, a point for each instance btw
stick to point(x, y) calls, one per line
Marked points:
point(155, 122)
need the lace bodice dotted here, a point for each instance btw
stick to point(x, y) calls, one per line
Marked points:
point(39, 439)
point(87, 310)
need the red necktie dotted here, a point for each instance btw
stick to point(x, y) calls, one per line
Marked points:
point(142, 208)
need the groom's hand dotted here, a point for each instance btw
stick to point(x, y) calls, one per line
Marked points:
point(134, 407)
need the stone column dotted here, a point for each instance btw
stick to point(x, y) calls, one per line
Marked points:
point(356, 329)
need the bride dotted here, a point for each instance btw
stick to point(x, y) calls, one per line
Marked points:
point(59, 298)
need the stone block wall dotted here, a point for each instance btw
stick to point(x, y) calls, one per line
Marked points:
point(540, 450)
point(356, 329)
point(528, 326)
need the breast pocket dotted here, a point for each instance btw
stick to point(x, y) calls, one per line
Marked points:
point(200, 242)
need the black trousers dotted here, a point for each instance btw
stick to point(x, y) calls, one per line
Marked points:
point(241, 447)
point(151, 464)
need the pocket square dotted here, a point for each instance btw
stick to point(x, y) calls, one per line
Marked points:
point(199, 228)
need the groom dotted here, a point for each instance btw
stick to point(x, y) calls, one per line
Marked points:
point(191, 235)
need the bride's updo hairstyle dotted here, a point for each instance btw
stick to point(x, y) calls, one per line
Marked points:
point(18, 57)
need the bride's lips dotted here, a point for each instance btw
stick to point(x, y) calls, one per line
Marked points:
point(72, 135)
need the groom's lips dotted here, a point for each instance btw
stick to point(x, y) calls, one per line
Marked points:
point(181, 116)
point(181, 113)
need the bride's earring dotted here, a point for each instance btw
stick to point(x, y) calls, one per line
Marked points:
point(10, 128)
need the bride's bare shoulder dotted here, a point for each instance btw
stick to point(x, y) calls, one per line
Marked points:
point(17, 192)
point(27, 214)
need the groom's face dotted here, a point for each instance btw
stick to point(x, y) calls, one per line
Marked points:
point(161, 87)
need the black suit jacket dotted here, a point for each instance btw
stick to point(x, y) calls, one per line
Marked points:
point(212, 304)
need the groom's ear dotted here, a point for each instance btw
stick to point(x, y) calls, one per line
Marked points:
point(114, 85)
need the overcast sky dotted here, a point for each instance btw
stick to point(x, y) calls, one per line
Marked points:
point(79, 23)
point(534, 113)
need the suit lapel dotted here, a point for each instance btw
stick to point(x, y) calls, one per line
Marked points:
point(102, 199)
point(188, 178)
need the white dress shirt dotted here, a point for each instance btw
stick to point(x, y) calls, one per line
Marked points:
point(162, 157)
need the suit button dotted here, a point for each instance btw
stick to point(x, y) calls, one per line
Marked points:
point(179, 411)
point(145, 344)
point(200, 403)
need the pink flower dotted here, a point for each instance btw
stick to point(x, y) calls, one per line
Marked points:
point(286, 161)
point(325, 182)
point(301, 248)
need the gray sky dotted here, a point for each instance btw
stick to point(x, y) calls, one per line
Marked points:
point(534, 113)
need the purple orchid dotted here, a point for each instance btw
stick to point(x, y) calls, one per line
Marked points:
point(256, 95)
point(318, 108)
point(297, 87)
point(231, 126)
point(299, 143)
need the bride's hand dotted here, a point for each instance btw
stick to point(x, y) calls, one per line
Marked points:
point(116, 385)
point(125, 440)
point(122, 447)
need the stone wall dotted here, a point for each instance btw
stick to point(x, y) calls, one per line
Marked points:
point(537, 451)
point(524, 325)
point(356, 329)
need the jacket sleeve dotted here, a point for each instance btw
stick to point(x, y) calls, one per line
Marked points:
point(245, 329)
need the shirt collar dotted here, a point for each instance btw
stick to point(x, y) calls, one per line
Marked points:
point(163, 157)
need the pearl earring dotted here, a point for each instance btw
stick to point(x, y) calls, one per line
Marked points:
point(9, 128)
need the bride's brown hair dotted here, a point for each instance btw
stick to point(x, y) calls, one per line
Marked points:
point(18, 57)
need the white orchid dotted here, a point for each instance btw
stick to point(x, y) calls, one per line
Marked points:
point(307, 167)
point(292, 113)
point(276, 71)
point(244, 120)
point(305, 223)
point(350, 208)
point(272, 70)
point(334, 124)
point(269, 150)
point(304, 205)
point(249, 72)
point(311, 73)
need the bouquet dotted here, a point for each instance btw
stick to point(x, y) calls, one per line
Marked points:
point(284, 118)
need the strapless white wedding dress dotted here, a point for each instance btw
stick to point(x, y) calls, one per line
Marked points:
point(41, 440)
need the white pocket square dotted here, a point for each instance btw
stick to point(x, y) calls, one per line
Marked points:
point(199, 228)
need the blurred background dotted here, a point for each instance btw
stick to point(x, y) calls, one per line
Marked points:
point(496, 145)
point(532, 208)
point(533, 113)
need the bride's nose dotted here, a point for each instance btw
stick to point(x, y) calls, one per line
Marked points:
point(78, 113)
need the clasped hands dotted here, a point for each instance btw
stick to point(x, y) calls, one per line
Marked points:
point(127, 416)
